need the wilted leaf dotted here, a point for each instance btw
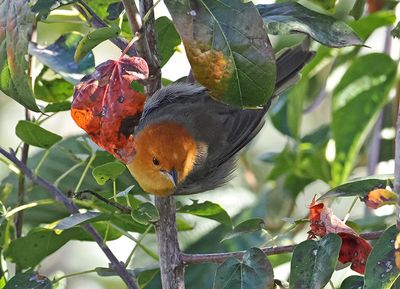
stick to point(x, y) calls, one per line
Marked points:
point(167, 39)
point(359, 187)
point(108, 171)
point(379, 197)
point(76, 219)
point(306, 271)
point(375, 5)
point(353, 282)
point(291, 17)
point(59, 56)
point(357, 100)
point(16, 26)
point(255, 272)
point(354, 249)
point(43, 7)
point(29, 280)
point(145, 214)
point(381, 271)
point(94, 38)
point(107, 108)
point(248, 226)
point(207, 210)
point(35, 135)
point(228, 49)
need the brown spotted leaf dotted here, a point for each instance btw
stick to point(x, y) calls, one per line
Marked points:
point(106, 106)
point(16, 26)
point(228, 49)
point(379, 197)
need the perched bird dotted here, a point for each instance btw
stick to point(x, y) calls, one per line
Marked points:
point(187, 142)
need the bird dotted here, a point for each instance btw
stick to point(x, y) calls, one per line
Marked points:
point(187, 142)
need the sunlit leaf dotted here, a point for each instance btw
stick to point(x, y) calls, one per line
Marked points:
point(94, 38)
point(381, 271)
point(208, 210)
point(357, 100)
point(76, 219)
point(59, 56)
point(365, 26)
point(291, 17)
point(58, 106)
point(29, 280)
point(35, 135)
point(306, 271)
point(255, 272)
point(16, 26)
point(43, 7)
point(108, 171)
point(167, 39)
point(228, 49)
point(52, 90)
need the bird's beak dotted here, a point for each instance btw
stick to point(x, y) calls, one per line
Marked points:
point(172, 175)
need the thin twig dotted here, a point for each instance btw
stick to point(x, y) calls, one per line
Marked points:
point(121, 208)
point(221, 257)
point(115, 265)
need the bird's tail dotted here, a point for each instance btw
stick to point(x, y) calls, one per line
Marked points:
point(289, 63)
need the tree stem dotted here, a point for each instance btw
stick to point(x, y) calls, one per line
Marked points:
point(171, 266)
point(397, 169)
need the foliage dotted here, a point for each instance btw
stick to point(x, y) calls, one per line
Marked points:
point(231, 46)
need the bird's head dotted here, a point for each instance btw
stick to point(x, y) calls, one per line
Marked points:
point(165, 155)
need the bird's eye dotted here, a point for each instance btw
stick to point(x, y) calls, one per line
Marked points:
point(156, 162)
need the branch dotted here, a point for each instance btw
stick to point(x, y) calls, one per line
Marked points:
point(116, 265)
point(221, 257)
point(97, 22)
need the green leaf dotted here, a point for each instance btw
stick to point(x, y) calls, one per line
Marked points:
point(358, 9)
point(357, 100)
point(94, 38)
point(108, 171)
point(115, 10)
point(16, 24)
point(207, 210)
point(248, 226)
point(381, 271)
point(145, 214)
point(59, 56)
point(167, 39)
point(58, 106)
point(228, 49)
point(28, 280)
point(353, 282)
point(255, 272)
point(144, 278)
point(40, 243)
point(313, 262)
point(35, 135)
point(43, 7)
point(396, 31)
point(75, 220)
point(365, 26)
point(54, 90)
point(328, 5)
point(291, 17)
point(359, 187)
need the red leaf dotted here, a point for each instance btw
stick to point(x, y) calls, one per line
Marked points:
point(354, 249)
point(107, 108)
point(379, 197)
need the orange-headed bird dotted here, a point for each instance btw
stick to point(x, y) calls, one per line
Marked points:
point(187, 142)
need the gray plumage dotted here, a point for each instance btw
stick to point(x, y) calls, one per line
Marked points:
point(220, 130)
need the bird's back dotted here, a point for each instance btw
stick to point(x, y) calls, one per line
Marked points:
point(220, 130)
